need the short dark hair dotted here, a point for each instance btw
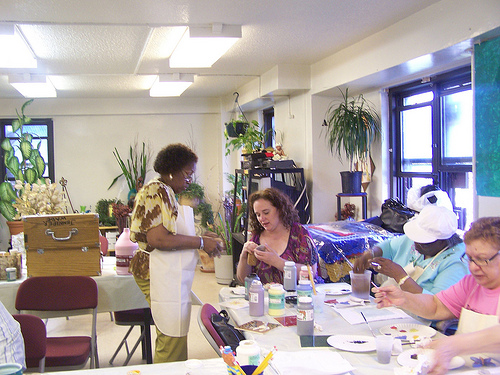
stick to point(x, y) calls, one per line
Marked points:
point(486, 229)
point(174, 158)
point(287, 212)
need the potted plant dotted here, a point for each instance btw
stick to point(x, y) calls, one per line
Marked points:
point(26, 165)
point(224, 263)
point(134, 169)
point(253, 139)
point(194, 196)
point(235, 128)
point(351, 126)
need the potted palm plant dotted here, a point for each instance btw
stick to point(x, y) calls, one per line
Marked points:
point(351, 126)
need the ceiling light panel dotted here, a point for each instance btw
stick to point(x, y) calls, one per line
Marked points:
point(15, 52)
point(95, 49)
point(171, 84)
point(201, 47)
point(33, 86)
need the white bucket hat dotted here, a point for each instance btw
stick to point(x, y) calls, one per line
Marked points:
point(431, 224)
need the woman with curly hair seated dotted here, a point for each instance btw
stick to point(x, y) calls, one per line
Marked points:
point(274, 223)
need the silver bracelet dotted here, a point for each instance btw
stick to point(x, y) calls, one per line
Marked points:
point(201, 243)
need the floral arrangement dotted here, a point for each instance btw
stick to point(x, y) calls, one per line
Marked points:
point(38, 199)
point(121, 212)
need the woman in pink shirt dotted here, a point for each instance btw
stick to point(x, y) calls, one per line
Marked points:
point(474, 299)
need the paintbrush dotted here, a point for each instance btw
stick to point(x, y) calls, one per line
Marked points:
point(368, 324)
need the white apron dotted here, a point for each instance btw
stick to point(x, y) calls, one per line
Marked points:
point(471, 321)
point(171, 275)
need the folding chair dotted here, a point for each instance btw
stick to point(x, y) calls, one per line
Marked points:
point(50, 296)
point(35, 340)
point(208, 329)
point(132, 318)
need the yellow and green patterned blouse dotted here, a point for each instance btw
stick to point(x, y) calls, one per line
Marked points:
point(155, 204)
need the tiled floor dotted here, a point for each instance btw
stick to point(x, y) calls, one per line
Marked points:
point(110, 334)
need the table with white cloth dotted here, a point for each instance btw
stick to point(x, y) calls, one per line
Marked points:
point(331, 322)
point(116, 292)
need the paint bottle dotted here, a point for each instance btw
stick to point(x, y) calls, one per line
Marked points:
point(305, 316)
point(256, 299)
point(304, 289)
point(276, 300)
point(304, 273)
point(290, 276)
point(248, 282)
point(248, 353)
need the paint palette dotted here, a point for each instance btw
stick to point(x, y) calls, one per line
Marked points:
point(406, 331)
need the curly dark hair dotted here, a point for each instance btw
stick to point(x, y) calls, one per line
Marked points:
point(486, 229)
point(174, 158)
point(287, 212)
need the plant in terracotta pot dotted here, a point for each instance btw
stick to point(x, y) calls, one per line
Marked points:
point(351, 125)
point(24, 163)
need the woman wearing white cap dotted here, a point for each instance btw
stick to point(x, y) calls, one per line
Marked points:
point(427, 259)
point(475, 299)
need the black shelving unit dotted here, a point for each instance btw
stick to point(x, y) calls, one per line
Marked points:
point(289, 180)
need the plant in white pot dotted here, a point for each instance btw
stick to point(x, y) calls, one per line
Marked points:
point(351, 126)
point(224, 263)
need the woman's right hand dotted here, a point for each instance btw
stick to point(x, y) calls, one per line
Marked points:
point(389, 296)
point(211, 246)
point(248, 247)
point(363, 262)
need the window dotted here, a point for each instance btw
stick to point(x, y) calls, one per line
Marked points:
point(268, 127)
point(431, 138)
point(43, 128)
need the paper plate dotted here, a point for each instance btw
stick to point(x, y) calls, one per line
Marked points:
point(405, 358)
point(352, 343)
point(333, 289)
point(407, 331)
point(239, 290)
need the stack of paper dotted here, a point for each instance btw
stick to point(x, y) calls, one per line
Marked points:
point(353, 314)
point(318, 362)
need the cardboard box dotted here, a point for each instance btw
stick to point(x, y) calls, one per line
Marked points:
point(62, 245)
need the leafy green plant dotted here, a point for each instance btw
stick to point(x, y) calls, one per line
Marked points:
point(231, 178)
point(196, 192)
point(28, 166)
point(253, 139)
point(134, 169)
point(236, 127)
point(103, 209)
point(351, 125)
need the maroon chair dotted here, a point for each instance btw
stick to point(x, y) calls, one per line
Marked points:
point(35, 340)
point(51, 296)
point(208, 329)
point(132, 318)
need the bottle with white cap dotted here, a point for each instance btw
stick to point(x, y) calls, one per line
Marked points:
point(305, 316)
point(290, 276)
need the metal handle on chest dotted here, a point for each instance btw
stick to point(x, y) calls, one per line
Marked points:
point(49, 232)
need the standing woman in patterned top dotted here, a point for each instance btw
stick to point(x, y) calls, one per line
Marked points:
point(274, 223)
point(165, 262)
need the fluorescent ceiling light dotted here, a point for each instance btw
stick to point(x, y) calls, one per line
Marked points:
point(171, 84)
point(15, 51)
point(201, 47)
point(33, 86)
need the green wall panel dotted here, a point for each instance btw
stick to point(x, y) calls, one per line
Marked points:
point(487, 100)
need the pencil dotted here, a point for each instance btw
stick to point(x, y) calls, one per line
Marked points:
point(312, 278)
point(263, 364)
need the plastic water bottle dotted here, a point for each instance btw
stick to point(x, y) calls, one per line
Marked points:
point(256, 299)
point(290, 276)
point(248, 283)
point(305, 316)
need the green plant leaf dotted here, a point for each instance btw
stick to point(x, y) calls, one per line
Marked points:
point(13, 165)
point(30, 175)
point(7, 192)
point(6, 145)
point(39, 166)
point(7, 210)
point(25, 148)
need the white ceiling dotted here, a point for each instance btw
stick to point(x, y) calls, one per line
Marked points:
point(103, 48)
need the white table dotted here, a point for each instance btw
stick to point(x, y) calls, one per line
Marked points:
point(286, 338)
point(116, 292)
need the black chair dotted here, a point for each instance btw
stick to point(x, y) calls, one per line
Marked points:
point(132, 318)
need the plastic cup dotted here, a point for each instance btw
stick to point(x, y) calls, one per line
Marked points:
point(384, 348)
point(249, 369)
point(318, 301)
point(360, 284)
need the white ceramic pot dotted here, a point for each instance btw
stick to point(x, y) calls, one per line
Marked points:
point(224, 269)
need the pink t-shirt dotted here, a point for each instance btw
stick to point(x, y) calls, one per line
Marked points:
point(462, 294)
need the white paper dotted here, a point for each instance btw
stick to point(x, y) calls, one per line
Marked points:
point(318, 362)
point(353, 315)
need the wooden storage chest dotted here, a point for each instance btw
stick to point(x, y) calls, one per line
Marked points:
point(62, 245)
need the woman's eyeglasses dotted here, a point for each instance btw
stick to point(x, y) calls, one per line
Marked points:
point(188, 177)
point(479, 262)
